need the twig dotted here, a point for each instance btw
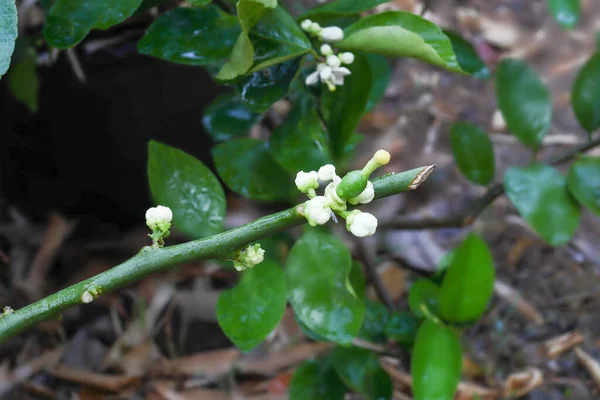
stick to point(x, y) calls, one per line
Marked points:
point(372, 275)
point(151, 260)
point(495, 191)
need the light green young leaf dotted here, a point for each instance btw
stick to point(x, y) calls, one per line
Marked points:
point(584, 182)
point(8, 33)
point(524, 101)
point(249, 312)
point(401, 34)
point(228, 118)
point(179, 181)
point(316, 380)
point(467, 56)
point(585, 97)
point(300, 143)
point(473, 152)
point(317, 269)
point(539, 193)
point(341, 8)
point(360, 369)
point(469, 281)
point(68, 22)
point(565, 12)
point(249, 169)
point(23, 81)
point(194, 36)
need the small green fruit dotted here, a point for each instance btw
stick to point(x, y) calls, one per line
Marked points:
point(352, 185)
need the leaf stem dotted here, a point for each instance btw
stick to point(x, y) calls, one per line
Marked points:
point(150, 260)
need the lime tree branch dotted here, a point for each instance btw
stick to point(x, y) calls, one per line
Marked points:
point(151, 260)
point(494, 191)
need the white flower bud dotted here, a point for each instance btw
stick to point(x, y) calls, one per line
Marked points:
point(335, 202)
point(333, 61)
point(331, 34)
point(307, 180)
point(382, 157)
point(87, 297)
point(306, 24)
point(159, 217)
point(317, 211)
point(327, 173)
point(346, 58)
point(366, 196)
point(361, 224)
point(315, 28)
point(326, 50)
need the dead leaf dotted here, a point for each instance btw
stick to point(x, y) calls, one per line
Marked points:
point(514, 298)
point(210, 364)
point(589, 363)
point(521, 383)
point(393, 279)
point(555, 346)
point(272, 363)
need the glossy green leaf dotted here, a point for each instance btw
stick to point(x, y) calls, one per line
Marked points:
point(300, 142)
point(8, 33)
point(262, 88)
point(584, 182)
point(341, 8)
point(524, 101)
point(565, 12)
point(540, 195)
point(469, 281)
point(277, 38)
point(402, 328)
point(249, 312)
point(228, 118)
point(373, 326)
point(241, 59)
point(473, 152)
point(436, 362)
point(360, 370)
point(23, 81)
point(585, 97)
point(357, 280)
point(423, 292)
point(199, 3)
point(380, 74)
point(194, 36)
point(316, 380)
point(249, 169)
point(317, 269)
point(68, 22)
point(467, 56)
point(401, 34)
point(179, 181)
point(347, 104)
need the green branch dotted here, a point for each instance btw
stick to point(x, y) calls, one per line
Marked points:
point(151, 260)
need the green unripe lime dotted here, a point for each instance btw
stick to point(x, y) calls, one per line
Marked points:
point(436, 362)
point(352, 185)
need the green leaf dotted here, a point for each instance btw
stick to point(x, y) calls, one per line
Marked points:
point(469, 281)
point(179, 181)
point(524, 101)
point(402, 328)
point(249, 13)
point(316, 380)
point(540, 195)
point(357, 280)
point(199, 3)
point(300, 142)
point(276, 39)
point(584, 182)
point(228, 118)
point(262, 88)
point(585, 97)
point(376, 316)
point(401, 34)
point(249, 312)
point(467, 56)
point(360, 370)
point(473, 152)
point(347, 104)
point(423, 292)
point(380, 74)
point(23, 80)
point(68, 22)
point(194, 36)
point(8, 33)
point(249, 169)
point(565, 12)
point(341, 8)
point(316, 271)
point(436, 362)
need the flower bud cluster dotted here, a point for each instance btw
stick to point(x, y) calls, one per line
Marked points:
point(249, 257)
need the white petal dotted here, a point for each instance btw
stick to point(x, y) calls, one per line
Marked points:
point(325, 73)
point(343, 71)
point(312, 79)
